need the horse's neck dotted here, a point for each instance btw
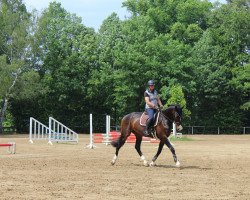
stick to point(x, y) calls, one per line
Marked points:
point(165, 121)
point(168, 114)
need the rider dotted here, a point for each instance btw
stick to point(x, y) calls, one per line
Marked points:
point(152, 101)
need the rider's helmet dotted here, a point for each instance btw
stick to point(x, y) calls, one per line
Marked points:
point(151, 82)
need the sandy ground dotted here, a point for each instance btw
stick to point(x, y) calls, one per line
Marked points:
point(213, 167)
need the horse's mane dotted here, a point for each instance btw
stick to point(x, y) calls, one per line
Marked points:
point(177, 106)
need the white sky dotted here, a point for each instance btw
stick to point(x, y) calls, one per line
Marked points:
point(93, 12)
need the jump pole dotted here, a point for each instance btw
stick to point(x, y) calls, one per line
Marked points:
point(174, 130)
point(10, 144)
point(107, 129)
point(91, 144)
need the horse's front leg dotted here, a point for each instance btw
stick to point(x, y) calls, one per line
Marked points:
point(171, 148)
point(138, 149)
point(161, 144)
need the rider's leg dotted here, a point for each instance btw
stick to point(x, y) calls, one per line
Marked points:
point(150, 120)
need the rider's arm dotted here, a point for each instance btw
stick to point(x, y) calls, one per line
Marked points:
point(150, 104)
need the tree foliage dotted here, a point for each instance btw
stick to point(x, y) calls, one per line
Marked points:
point(197, 53)
point(14, 23)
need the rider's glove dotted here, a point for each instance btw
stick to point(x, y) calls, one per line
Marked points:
point(156, 107)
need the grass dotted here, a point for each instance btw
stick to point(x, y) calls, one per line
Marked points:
point(183, 138)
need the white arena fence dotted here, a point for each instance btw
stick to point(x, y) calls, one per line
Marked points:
point(38, 131)
point(56, 132)
point(211, 130)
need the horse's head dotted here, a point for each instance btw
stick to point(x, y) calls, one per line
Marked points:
point(174, 114)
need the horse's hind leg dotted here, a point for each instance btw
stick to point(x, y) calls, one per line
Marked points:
point(161, 144)
point(138, 149)
point(171, 148)
point(118, 144)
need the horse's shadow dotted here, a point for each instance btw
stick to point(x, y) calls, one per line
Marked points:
point(181, 167)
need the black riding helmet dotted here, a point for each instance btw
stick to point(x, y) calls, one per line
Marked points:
point(151, 82)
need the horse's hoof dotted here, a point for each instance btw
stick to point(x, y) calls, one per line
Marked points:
point(152, 164)
point(114, 160)
point(178, 164)
point(146, 164)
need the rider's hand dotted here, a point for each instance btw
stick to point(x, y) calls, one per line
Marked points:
point(156, 107)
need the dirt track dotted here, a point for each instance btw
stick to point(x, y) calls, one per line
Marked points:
point(213, 167)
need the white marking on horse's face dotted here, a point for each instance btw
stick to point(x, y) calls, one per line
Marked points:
point(179, 128)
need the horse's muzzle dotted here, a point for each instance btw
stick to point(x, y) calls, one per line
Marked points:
point(179, 128)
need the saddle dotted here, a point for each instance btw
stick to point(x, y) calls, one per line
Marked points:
point(144, 118)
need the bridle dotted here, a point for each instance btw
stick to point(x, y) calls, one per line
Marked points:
point(176, 114)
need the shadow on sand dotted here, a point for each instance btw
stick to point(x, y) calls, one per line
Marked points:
point(173, 167)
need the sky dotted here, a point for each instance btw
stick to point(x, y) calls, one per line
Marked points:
point(93, 12)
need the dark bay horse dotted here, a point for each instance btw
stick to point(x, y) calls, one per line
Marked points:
point(131, 124)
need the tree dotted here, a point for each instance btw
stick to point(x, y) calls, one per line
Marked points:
point(102, 79)
point(177, 97)
point(241, 82)
point(222, 50)
point(63, 54)
point(14, 25)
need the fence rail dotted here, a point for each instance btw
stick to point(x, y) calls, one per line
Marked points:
point(215, 130)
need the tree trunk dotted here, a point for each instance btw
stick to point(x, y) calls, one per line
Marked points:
point(5, 101)
point(1, 125)
point(2, 114)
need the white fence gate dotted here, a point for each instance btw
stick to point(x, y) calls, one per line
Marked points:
point(56, 132)
point(38, 131)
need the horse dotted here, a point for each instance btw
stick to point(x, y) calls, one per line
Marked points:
point(131, 124)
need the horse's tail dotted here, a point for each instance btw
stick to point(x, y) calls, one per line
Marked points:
point(117, 142)
point(125, 132)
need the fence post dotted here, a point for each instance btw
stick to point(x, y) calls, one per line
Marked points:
point(50, 132)
point(218, 130)
point(31, 128)
point(174, 129)
point(107, 128)
point(244, 130)
point(192, 130)
point(91, 144)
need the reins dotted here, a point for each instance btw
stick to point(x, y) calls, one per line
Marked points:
point(165, 116)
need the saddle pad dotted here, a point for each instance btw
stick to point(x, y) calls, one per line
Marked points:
point(144, 118)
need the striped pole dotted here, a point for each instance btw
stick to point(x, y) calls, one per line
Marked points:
point(91, 144)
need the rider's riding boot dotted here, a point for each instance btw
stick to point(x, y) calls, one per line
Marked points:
point(147, 129)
